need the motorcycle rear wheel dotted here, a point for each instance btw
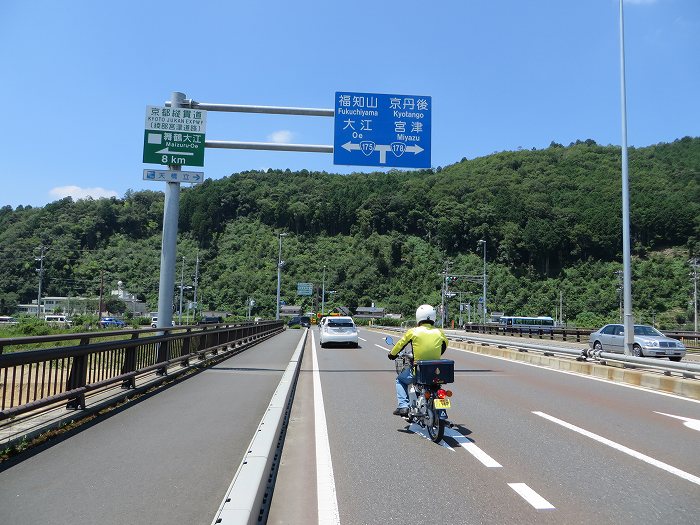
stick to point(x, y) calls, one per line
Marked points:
point(434, 425)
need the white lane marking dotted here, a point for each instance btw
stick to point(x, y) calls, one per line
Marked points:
point(362, 339)
point(417, 429)
point(325, 481)
point(690, 423)
point(675, 396)
point(638, 455)
point(531, 496)
point(383, 348)
point(468, 445)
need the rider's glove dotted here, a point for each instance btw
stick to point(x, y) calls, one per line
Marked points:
point(392, 357)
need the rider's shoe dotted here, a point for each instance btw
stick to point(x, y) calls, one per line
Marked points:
point(401, 412)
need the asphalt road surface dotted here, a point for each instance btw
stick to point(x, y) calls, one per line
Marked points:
point(530, 445)
point(167, 459)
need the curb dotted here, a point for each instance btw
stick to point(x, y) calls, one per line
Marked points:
point(248, 491)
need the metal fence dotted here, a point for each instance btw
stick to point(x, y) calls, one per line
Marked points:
point(32, 379)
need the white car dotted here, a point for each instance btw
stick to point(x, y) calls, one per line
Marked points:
point(338, 331)
point(154, 322)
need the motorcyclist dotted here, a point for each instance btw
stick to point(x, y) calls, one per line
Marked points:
point(428, 343)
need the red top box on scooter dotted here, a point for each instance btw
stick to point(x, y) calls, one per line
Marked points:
point(435, 371)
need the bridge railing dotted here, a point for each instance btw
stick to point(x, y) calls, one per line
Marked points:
point(34, 379)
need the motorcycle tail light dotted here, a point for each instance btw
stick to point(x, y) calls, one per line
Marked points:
point(441, 394)
point(427, 395)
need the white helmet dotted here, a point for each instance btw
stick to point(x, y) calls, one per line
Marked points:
point(425, 312)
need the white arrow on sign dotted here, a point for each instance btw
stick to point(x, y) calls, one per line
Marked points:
point(382, 149)
point(168, 152)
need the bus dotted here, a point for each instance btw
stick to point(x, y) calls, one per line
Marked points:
point(511, 322)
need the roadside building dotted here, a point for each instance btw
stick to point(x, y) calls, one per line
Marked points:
point(369, 312)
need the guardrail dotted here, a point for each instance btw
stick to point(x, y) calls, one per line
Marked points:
point(33, 379)
point(691, 340)
point(688, 370)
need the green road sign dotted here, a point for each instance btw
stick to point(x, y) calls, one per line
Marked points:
point(305, 289)
point(174, 136)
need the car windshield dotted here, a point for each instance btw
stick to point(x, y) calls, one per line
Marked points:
point(647, 330)
point(344, 323)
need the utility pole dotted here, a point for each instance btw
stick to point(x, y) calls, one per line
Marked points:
point(182, 288)
point(620, 289)
point(694, 263)
point(196, 281)
point(102, 286)
point(280, 264)
point(483, 298)
point(40, 271)
point(323, 292)
point(251, 303)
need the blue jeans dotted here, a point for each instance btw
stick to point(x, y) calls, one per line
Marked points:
point(404, 379)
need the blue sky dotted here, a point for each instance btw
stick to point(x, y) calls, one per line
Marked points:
point(503, 74)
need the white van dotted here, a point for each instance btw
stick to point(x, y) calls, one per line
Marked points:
point(61, 320)
point(154, 322)
point(7, 320)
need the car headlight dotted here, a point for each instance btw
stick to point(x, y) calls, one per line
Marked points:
point(651, 344)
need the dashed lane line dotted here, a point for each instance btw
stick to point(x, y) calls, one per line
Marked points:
point(617, 446)
point(531, 496)
point(471, 447)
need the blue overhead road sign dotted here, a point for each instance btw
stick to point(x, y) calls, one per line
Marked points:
point(373, 129)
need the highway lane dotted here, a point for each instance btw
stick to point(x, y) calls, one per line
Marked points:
point(596, 452)
point(167, 459)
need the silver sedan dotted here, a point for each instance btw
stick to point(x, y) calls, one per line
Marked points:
point(648, 342)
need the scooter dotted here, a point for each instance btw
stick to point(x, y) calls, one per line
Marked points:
point(428, 400)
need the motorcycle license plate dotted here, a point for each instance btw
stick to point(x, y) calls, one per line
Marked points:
point(442, 403)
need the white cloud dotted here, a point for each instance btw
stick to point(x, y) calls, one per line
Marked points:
point(282, 136)
point(77, 192)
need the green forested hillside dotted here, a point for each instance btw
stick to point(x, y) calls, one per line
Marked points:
point(551, 219)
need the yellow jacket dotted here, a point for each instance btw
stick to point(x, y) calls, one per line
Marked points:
point(428, 342)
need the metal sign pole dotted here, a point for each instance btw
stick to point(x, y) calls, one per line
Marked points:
point(168, 252)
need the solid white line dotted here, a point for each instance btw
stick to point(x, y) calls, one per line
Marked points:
point(468, 445)
point(531, 496)
point(638, 455)
point(584, 376)
point(325, 481)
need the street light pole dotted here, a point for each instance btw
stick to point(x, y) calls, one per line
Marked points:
point(279, 273)
point(626, 254)
point(323, 292)
point(483, 298)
